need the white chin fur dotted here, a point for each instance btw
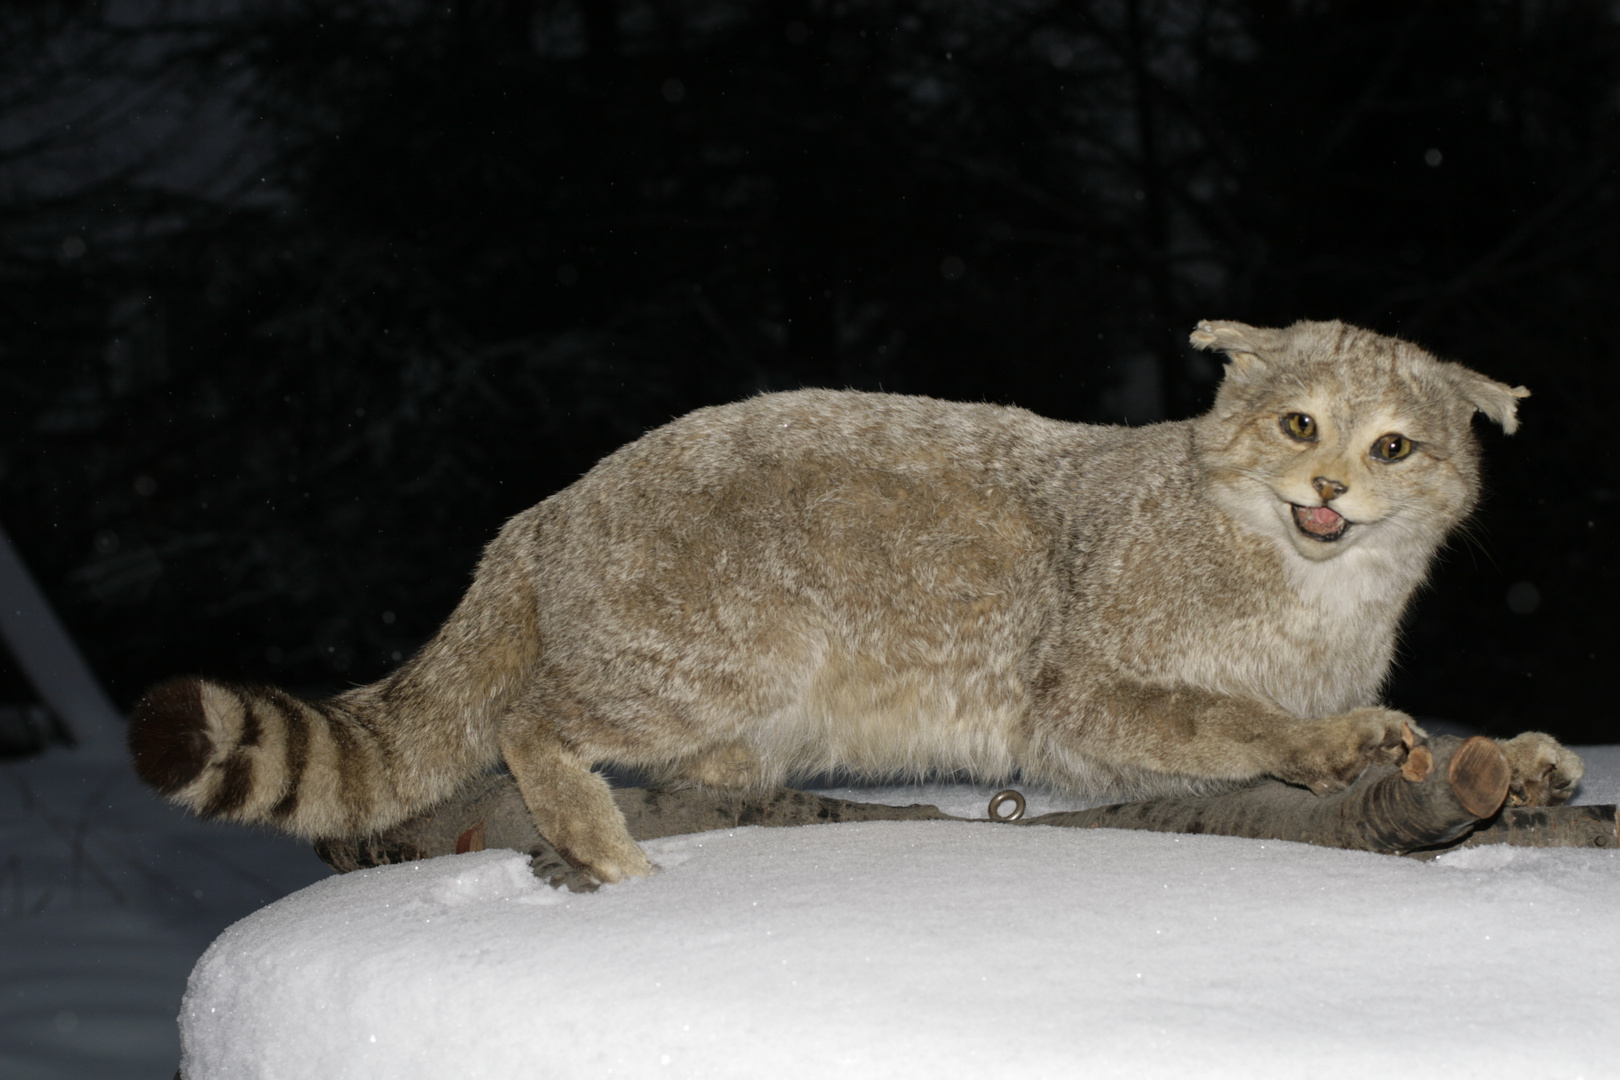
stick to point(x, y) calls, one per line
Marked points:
point(1320, 550)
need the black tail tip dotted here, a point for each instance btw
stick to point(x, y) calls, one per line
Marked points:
point(168, 735)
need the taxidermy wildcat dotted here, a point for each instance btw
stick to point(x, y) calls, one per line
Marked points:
point(896, 586)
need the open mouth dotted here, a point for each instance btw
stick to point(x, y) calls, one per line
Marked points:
point(1320, 522)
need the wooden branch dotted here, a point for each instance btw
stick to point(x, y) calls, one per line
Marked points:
point(1446, 786)
point(490, 813)
point(1431, 803)
point(1547, 826)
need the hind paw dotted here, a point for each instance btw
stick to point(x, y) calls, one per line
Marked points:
point(598, 848)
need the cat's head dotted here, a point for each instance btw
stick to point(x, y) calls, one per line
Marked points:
point(1336, 437)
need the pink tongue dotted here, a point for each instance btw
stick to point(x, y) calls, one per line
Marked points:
point(1319, 519)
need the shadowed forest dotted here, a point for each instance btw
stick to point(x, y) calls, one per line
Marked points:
point(300, 299)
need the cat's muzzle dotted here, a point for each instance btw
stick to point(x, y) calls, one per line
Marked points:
point(1320, 522)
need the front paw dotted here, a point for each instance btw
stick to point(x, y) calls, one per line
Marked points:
point(1327, 755)
point(1545, 772)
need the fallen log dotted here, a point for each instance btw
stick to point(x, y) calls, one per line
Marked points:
point(1545, 826)
point(1435, 802)
point(490, 813)
point(1444, 789)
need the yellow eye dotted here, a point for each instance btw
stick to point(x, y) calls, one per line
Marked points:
point(1391, 447)
point(1298, 425)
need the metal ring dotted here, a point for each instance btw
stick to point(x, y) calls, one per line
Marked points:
point(1008, 796)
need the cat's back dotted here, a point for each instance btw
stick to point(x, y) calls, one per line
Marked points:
point(853, 430)
point(853, 451)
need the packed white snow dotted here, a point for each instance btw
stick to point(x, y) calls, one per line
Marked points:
point(107, 898)
point(934, 949)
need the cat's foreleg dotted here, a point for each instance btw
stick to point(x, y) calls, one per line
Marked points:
point(1198, 734)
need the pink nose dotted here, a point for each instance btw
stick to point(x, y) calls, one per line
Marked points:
point(1329, 489)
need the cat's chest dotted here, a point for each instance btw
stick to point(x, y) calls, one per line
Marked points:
point(1316, 639)
point(1335, 630)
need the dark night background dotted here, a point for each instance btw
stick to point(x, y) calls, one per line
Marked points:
point(300, 300)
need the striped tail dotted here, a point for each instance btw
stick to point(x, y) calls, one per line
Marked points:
point(369, 757)
point(258, 754)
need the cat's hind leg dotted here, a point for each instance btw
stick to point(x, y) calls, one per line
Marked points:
point(572, 806)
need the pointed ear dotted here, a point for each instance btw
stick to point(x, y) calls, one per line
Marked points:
point(1499, 401)
point(1243, 344)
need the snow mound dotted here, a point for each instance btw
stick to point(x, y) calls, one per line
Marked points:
point(928, 949)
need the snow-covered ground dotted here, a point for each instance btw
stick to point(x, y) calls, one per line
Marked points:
point(927, 949)
point(107, 899)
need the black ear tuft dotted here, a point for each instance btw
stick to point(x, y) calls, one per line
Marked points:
point(168, 735)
